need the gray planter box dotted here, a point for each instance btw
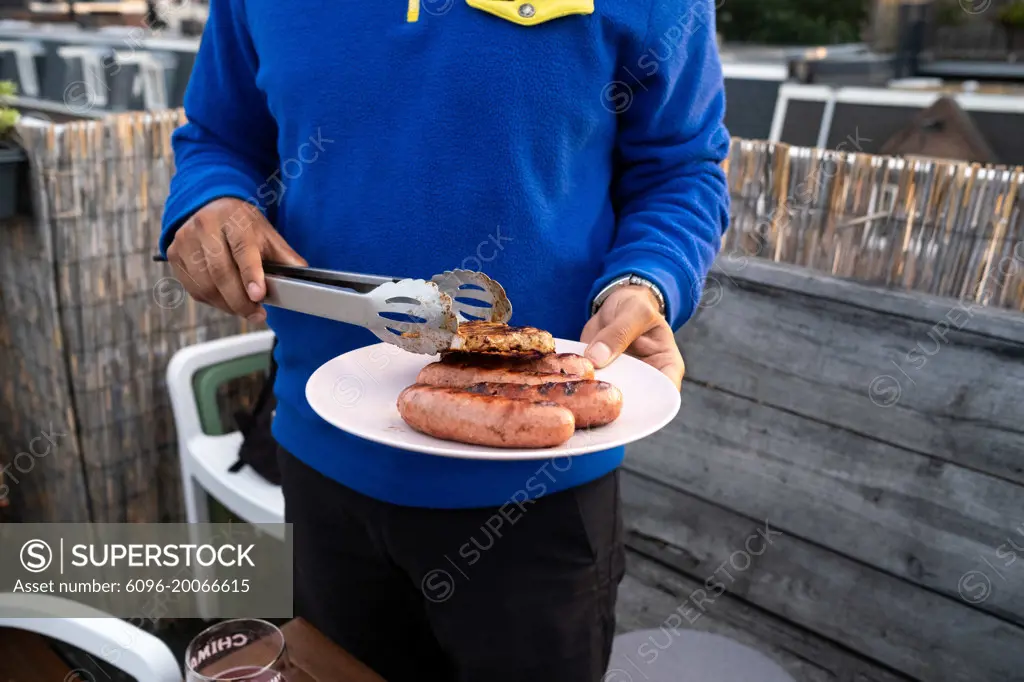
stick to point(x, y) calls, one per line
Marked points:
point(14, 195)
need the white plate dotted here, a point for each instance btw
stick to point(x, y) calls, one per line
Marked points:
point(357, 392)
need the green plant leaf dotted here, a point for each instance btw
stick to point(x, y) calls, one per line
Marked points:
point(8, 119)
point(792, 22)
point(1012, 14)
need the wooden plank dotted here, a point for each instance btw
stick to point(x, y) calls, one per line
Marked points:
point(650, 593)
point(904, 513)
point(989, 321)
point(315, 657)
point(946, 393)
point(27, 657)
point(911, 630)
point(320, 658)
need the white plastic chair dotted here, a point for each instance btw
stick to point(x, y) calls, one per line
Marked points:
point(672, 655)
point(205, 459)
point(99, 634)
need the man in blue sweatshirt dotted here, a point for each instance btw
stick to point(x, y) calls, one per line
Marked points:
point(567, 148)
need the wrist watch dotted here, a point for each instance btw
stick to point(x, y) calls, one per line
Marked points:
point(627, 280)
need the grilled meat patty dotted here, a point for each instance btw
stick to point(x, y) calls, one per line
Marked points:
point(501, 339)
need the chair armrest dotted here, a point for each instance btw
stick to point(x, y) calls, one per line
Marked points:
point(187, 362)
point(109, 639)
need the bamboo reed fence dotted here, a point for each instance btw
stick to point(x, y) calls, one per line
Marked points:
point(939, 227)
point(88, 322)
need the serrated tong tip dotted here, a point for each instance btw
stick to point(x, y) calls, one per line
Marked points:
point(417, 315)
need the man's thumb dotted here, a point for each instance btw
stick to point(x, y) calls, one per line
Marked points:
point(613, 340)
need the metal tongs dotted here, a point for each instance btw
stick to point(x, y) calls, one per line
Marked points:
point(417, 315)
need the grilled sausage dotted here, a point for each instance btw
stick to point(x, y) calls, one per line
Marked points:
point(557, 363)
point(462, 375)
point(592, 403)
point(457, 415)
point(565, 363)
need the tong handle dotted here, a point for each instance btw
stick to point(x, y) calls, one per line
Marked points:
point(323, 300)
point(349, 280)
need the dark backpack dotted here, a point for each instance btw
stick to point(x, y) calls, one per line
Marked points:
point(259, 449)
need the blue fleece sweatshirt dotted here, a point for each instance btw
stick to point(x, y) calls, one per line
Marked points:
point(554, 155)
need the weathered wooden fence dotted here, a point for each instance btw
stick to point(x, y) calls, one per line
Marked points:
point(844, 485)
point(87, 325)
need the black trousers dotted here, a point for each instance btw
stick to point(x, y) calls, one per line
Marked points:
point(525, 591)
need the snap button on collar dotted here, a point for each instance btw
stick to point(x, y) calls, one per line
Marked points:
point(527, 10)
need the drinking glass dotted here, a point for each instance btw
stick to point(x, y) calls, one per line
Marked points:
point(241, 650)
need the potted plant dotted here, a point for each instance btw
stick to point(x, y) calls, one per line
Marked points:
point(1011, 18)
point(13, 163)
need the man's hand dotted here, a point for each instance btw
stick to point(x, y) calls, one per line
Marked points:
point(218, 256)
point(629, 322)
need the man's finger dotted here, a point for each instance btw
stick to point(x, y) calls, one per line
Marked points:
point(197, 284)
point(226, 277)
point(248, 260)
point(629, 323)
point(276, 249)
point(677, 376)
point(189, 266)
point(675, 371)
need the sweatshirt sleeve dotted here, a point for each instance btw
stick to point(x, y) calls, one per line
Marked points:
point(669, 191)
point(228, 147)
